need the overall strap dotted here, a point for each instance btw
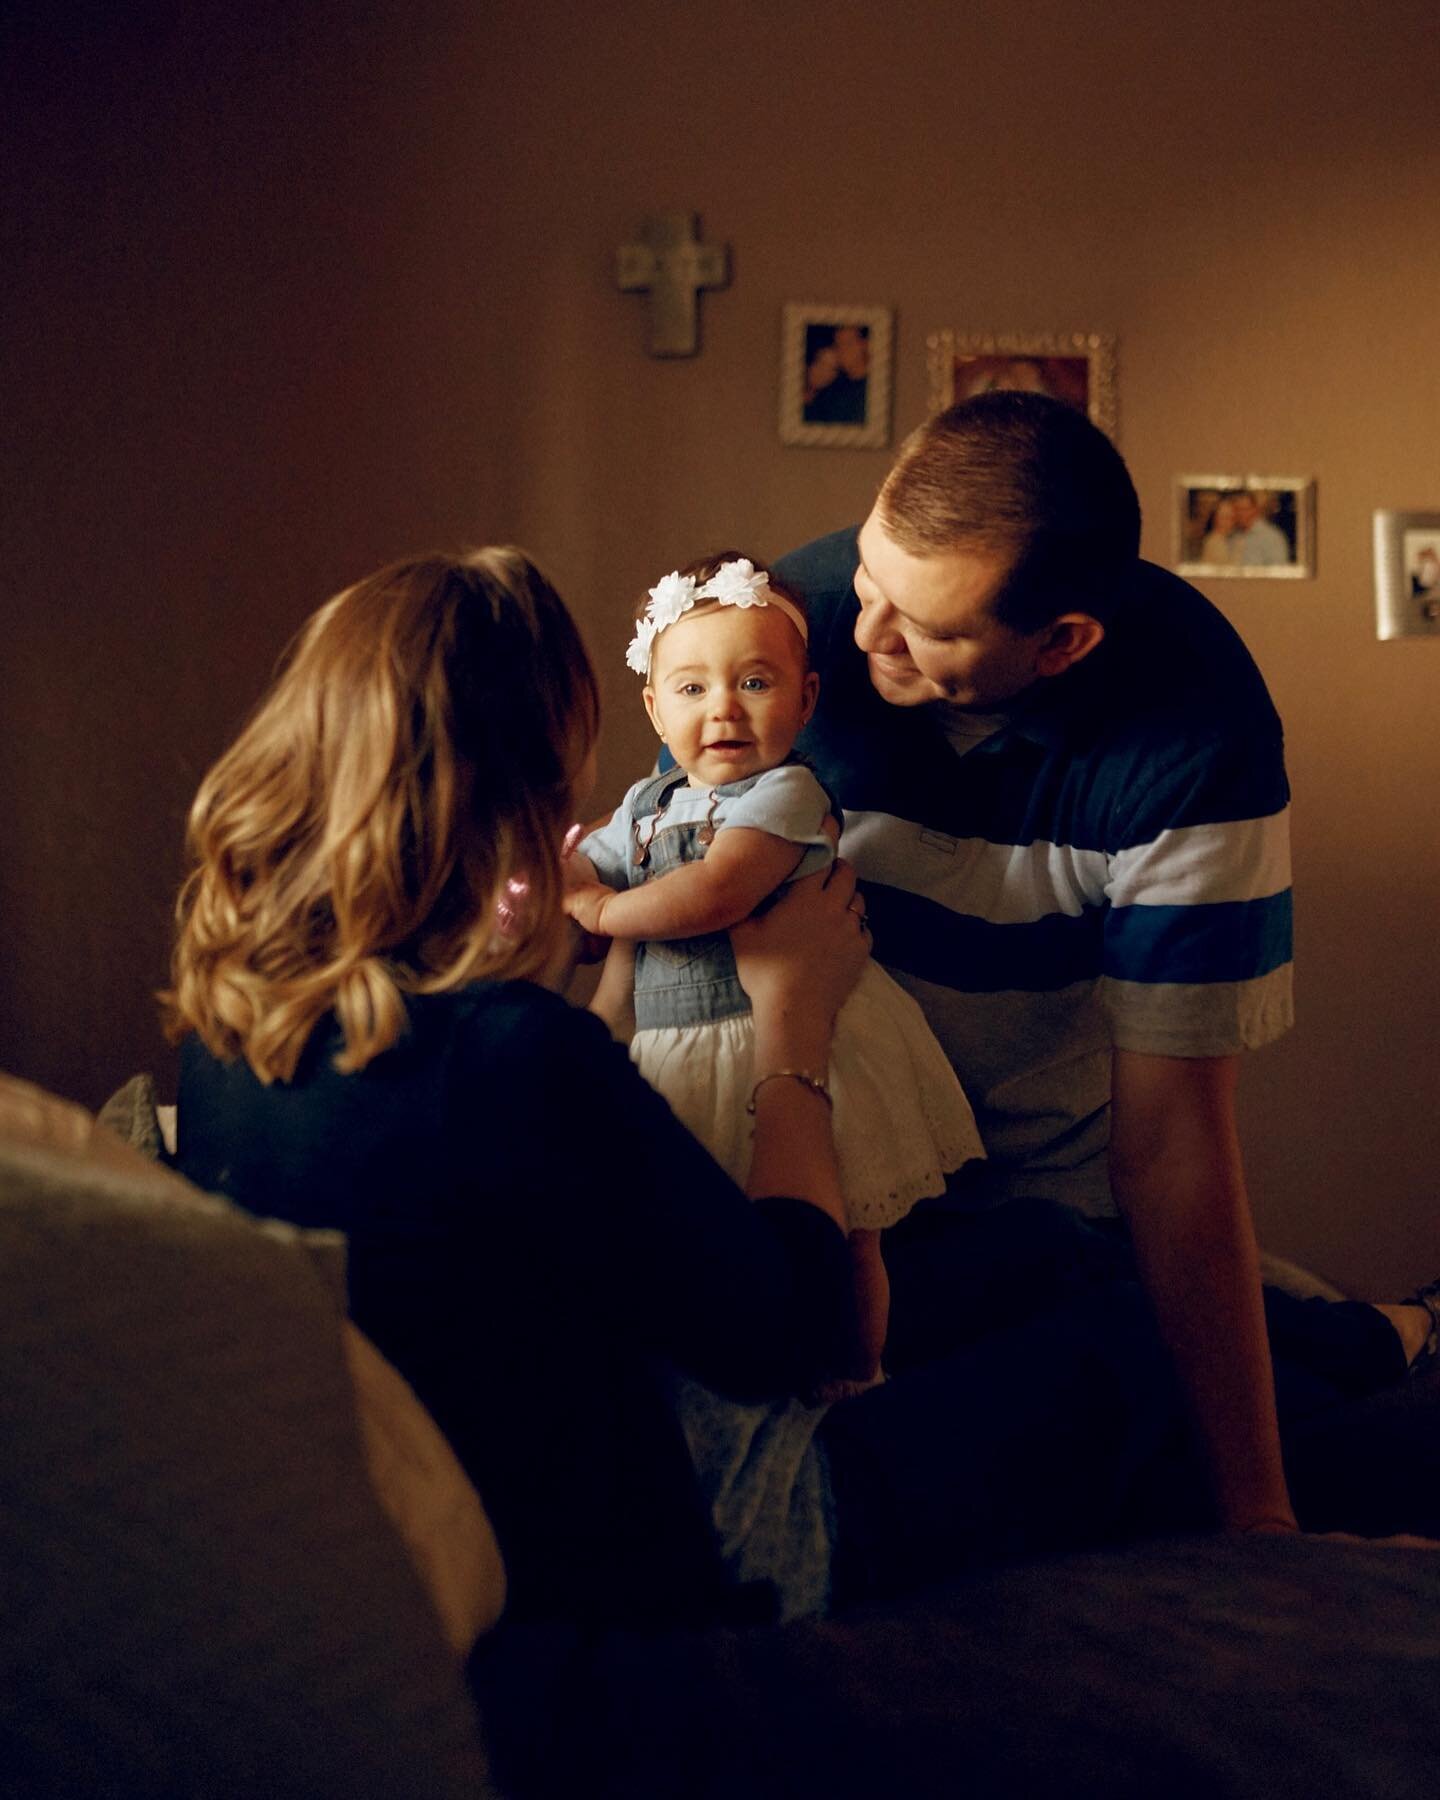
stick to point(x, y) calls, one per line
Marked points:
point(656, 791)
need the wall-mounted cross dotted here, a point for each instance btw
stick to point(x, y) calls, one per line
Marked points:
point(672, 266)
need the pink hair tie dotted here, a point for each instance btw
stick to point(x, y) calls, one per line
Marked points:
point(517, 889)
point(507, 907)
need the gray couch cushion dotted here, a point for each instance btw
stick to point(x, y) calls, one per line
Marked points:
point(201, 1594)
point(1200, 1669)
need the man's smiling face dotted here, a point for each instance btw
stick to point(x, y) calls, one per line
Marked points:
point(927, 628)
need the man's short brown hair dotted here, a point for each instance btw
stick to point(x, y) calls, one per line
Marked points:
point(1028, 477)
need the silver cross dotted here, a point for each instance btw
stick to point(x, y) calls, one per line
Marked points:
point(672, 266)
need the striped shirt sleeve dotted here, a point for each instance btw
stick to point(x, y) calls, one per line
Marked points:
point(1198, 931)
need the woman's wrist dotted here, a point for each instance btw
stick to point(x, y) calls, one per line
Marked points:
point(791, 1050)
point(811, 1082)
point(791, 1037)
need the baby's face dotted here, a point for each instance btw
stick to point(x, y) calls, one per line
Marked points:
point(729, 691)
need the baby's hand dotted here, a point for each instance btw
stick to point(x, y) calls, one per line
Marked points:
point(586, 906)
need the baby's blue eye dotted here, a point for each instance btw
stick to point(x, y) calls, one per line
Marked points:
point(754, 684)
point(690, 687)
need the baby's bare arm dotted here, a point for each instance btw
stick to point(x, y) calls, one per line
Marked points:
point(740, 868)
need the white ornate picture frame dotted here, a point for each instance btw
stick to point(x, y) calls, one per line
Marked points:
point(835, 376)
point(1075, 366)
point(1246, 526)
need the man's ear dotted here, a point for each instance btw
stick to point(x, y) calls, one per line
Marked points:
point(649, 698)
point(1067, 641)
point(811, 693)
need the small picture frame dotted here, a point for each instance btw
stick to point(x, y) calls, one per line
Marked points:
point(1407, 574)
point(1246, 526)
point(1077, 367)
point(835, 376)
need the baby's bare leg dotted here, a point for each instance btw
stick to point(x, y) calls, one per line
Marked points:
point(872, 1308)
point(872, 1300)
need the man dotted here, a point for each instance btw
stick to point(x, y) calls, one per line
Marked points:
point(1065, 793)
point(836, 380)
point(1254, 542)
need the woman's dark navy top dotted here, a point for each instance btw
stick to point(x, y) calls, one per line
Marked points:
point(533, 1238)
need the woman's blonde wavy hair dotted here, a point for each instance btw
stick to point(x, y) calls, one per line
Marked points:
point(418, 750)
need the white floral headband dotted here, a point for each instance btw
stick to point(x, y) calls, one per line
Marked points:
point(736, 583)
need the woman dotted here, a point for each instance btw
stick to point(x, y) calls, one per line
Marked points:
point(1216, 546)
point(535, 1241)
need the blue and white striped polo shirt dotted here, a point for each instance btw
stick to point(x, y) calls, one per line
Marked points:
point(1110, 868)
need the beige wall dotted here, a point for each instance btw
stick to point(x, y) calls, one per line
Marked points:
point(291, 290)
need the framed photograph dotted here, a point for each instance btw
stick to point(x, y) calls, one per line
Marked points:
point(1077, 367)
point(1407, 574)
point(1246, 525)
point(835, 376)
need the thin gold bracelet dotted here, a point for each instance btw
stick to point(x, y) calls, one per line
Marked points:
point(803, 1076)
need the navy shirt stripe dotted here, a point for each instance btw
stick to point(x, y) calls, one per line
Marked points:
point(1236, 940)
point(957, 950)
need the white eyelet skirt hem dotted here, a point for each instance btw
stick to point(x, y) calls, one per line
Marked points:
point(902, 1121)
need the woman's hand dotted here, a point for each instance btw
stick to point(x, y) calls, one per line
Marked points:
point(800, 958)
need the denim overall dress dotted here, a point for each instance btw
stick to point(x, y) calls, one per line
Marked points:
point(690, 981)
point(901, 1119)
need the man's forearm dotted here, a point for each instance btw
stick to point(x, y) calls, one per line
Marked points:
point(1204, 1285)
point(1178, 1179)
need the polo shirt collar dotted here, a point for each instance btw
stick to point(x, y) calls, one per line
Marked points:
point(1065, 710)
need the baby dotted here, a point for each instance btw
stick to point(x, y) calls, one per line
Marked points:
point(692, 851)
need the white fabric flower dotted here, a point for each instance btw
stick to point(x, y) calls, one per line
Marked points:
point(672, 595)
point(638, 653)
point(736, 584)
